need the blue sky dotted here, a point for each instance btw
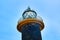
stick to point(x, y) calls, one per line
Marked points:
point(11, 11)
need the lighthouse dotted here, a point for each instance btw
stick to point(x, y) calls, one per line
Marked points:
point(30, 25)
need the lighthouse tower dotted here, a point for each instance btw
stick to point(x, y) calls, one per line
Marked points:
point(30, 25)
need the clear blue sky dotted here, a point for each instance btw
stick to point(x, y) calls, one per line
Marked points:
point(11, 11)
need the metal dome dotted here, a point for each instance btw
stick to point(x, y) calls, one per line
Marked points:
point(28, 13)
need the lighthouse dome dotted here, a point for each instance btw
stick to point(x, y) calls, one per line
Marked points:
point(29, 13)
